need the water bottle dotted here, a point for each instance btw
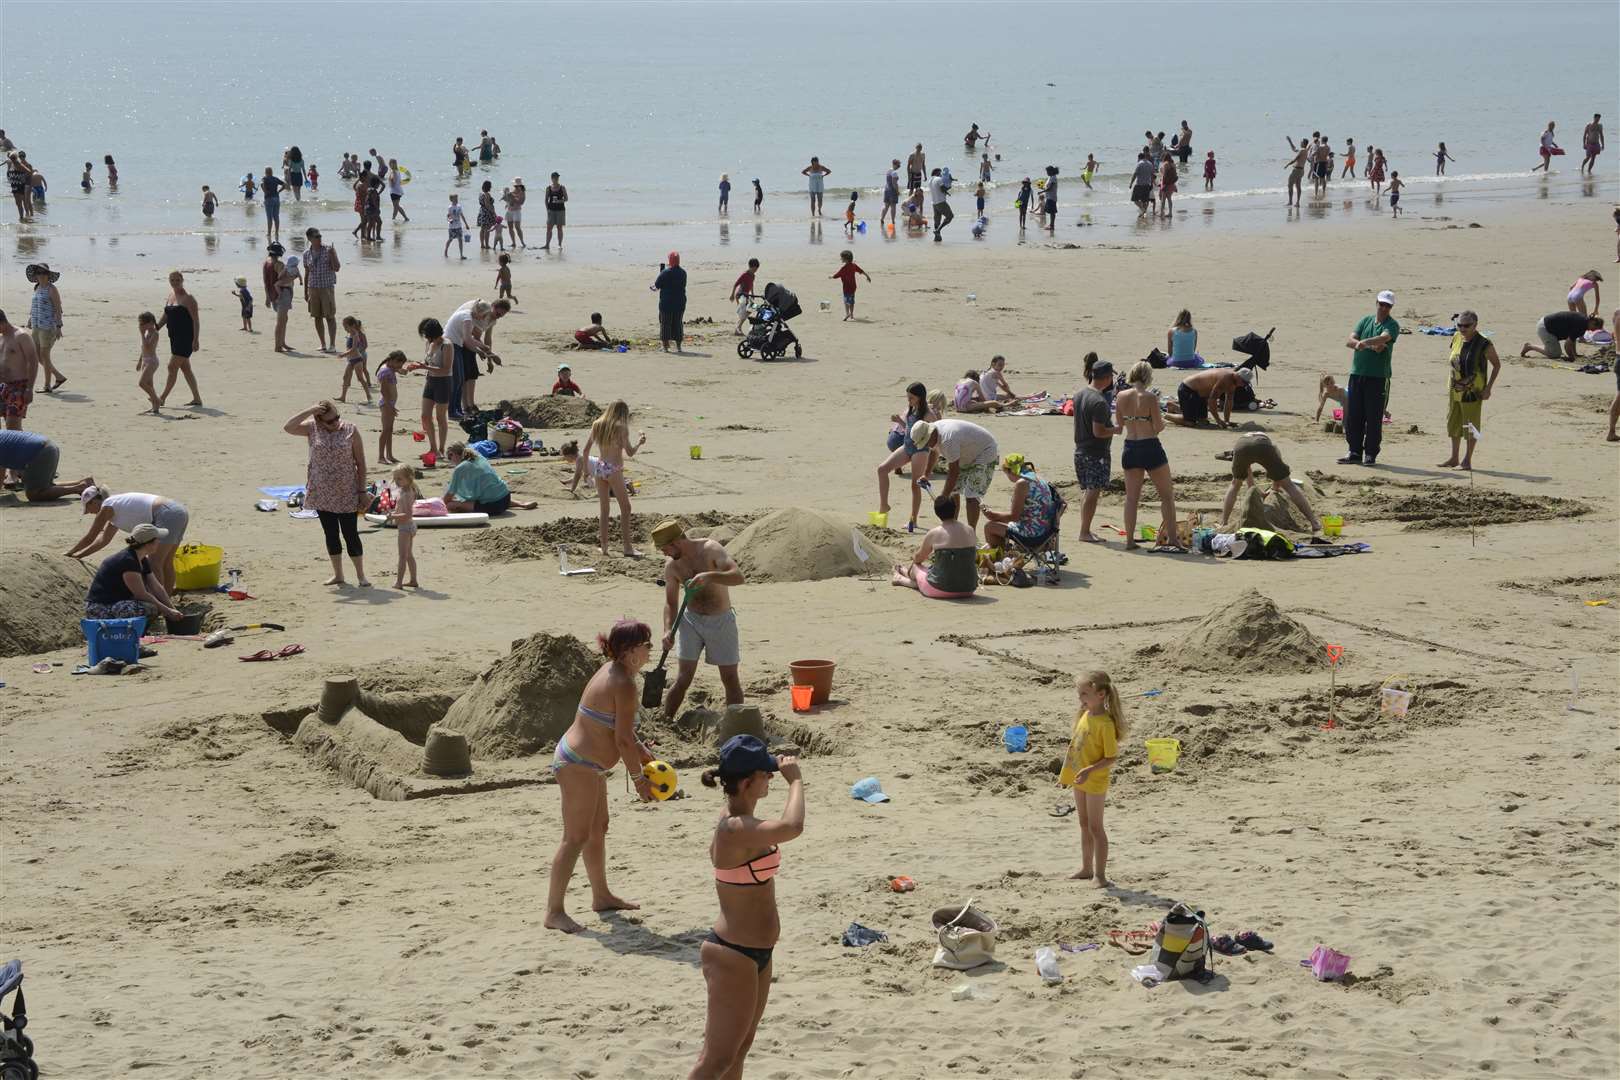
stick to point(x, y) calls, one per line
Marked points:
point(972, 298)
point(1046, 963)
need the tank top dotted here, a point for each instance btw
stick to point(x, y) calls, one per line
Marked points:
point(41, 312)
point(130, 509)
point(954, 570)
point(1183, 344)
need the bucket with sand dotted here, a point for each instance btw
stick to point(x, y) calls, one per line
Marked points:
point(525, 701)
point(1248, 634)
point(794, 544)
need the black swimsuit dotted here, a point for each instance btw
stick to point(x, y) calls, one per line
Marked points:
point(760, 957)
point(181, 332)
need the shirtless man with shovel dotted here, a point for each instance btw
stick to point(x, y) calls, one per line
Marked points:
point(700, 623)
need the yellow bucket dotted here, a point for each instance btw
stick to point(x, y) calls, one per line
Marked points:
point(1332, 525)
point(880, 518)
point(196, 566)
point(695, 451)
point(1163, 754)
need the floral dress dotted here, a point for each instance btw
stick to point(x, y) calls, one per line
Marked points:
point(486, 210)
point(332, 485)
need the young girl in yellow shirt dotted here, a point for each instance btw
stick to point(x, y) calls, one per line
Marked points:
point(1092, 752)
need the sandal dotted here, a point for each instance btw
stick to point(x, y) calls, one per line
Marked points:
point(289, 650)
point(1251, 940)
point(1227, 947)
point(1134, 942)
point(262, 654)
point(1062, 809)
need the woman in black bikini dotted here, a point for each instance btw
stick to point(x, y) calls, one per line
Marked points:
point(736, 956)
point(1144, 458)
point(185, 337)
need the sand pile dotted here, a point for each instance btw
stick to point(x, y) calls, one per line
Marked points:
point(41, 602)
point(552, 412)
point(525, 701)
point(1274, 514)
point(795, 545)
point(1248, 635)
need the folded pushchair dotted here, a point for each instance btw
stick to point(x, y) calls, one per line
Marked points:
point(1258, 351)
point(770, 335)
point(16, 1049)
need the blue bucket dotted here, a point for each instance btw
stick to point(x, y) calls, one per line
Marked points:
point(1016, 738)
point(118, 638)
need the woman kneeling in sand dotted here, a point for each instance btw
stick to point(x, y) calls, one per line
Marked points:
point(946, 564)
point(736, 956)
point(604, 731)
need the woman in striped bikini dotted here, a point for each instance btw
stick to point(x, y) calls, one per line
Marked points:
point(603, 734)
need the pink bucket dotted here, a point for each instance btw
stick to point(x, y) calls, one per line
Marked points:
point(1328, 965)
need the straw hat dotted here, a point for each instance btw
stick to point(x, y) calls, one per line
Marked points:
point(35, 271)
point(667, 532)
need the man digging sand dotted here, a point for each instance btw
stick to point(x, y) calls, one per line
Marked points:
point(708, 626)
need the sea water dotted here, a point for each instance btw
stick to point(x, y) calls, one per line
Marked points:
point(641, 107)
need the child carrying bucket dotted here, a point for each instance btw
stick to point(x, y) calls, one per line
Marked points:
point(1093, 750)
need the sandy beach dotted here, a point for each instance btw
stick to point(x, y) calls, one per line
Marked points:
point(194, 893)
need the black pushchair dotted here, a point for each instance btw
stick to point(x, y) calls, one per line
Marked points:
point(1258, 351)
point(770, 335)
point(16, 1049)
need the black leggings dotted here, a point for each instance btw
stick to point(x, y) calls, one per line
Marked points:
point(331, 522)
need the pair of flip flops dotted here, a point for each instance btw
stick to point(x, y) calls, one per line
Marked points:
point(1248, 941)
point(1134, 942)
point(285, 652)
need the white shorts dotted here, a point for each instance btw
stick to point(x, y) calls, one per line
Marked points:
point(1549, 341)
point(711, 636)
point(514, 215)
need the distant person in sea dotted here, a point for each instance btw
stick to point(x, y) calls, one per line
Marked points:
point(891, 194)
point(849, 213)
point(1142, 184)
point(939, 196)
point(1470, 388)
point(1184, 147)
point(45, 321)
point(817, 174)
point(1586, 283)
point(759, 195)
point(1168, 178)
point(1592, 142)
point(725, 194)
point(670, 285)
point(1375, 172)
point(1395, 186)
point(985, 168)
point(272, 185)
point(184, 323)
point(112, 171)
point(970, 141)
point(1049, 199)
point(1349, 160)
point(1440, 159)
point(86, 180)
point(916, 168)
point(1549, 147)
point(1026, 195)
point(295, 172)
point(556, 198)
point(1296, 170)
point(396, 193)
point(17, 177)
point(1209, 171)
point(1089, 170)
point(486, 213)
point(456, 219)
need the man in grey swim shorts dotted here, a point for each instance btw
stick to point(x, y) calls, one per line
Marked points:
point(708, 628)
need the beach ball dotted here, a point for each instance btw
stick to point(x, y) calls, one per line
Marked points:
point(662, 778)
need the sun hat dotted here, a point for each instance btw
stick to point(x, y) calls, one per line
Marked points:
point(276, 249)
point(35, 271)
point(667, 532)
point(146, 532)
point(1013, 463)
point(922, 432)
point(241, 282)
point(1387, 297)
point(745, 755)
point(868, 790)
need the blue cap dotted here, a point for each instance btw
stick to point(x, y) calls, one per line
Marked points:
point(745, 755)
point(868, 790)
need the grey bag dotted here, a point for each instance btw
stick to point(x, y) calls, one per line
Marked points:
point(967, 937)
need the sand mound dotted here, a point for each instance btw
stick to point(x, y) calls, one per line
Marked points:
point(1275, 514)
point(795, 545)
point(1248, 634)
point(41, 602)
point(552, 412)
point(525, 701)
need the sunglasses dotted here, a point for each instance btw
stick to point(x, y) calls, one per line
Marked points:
point(1466, 325)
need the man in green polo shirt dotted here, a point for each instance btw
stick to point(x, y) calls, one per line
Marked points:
point(1368, 392)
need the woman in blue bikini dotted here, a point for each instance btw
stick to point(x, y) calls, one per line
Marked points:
point(745, 854)
point(603, 734)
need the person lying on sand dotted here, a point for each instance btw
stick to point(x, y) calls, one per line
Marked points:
point(945, 566)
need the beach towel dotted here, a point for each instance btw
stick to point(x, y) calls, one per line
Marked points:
point(282, 492)
point(1306, 550)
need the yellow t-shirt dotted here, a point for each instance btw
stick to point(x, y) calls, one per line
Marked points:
point(1094, 739)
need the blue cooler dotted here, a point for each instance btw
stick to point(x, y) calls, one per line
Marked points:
point(118, 638)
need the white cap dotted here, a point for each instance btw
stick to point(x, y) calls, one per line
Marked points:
point(1387, 297)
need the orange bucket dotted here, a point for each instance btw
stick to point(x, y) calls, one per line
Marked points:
point(801, 697)
point(817, 674)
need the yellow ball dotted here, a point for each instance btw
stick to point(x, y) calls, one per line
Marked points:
point(661, 775)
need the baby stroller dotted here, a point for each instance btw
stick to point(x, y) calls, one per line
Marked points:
point(16, 1049)
point(770, 335)
point(1258, 351)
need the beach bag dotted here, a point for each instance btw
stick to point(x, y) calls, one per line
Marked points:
point(967, 937)
point(1157, 359)
point(1181, 949)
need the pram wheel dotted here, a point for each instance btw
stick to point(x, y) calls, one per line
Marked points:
point(19, 1070)
point(743, 350)
point(797, 352)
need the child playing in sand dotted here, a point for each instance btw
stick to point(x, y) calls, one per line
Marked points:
point(610, 434)
point(849, 214)
point(846, 273)
point(209, 202)
point(1395, 186)
point(388, 398)
point(594, 335)
point(1093, 749)
point(1209, 171)
point(1440, 159)
point(354, 352)
point(1089, 171)
point(456, 218)
point(243, 295)
point(147, 365)
point(969, 395)
point(759, 195)
point(503, 279)
point(404, 518)
point(565, 386)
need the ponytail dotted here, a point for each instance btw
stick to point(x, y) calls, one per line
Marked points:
point(715, 778)
point(1099, 680)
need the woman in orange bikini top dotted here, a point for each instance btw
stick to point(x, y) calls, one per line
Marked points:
point(745, 853)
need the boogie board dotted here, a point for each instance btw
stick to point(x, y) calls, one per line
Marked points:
point(443, 521)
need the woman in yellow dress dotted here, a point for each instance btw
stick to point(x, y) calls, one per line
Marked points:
point(1092, 752)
